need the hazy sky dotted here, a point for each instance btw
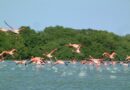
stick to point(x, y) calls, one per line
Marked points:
point(110, 15)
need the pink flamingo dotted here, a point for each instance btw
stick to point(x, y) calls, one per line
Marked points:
point(77, 47)
point(83, 62)
point(37, 60)
point(110, 56)
point(49, 55)
point(59, 62)
point(4, 53)
point(97, 61)
point(11, 52)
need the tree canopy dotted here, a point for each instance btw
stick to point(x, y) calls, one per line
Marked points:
point(30, 42)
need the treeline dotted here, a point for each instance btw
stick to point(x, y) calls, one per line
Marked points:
point(30, 42)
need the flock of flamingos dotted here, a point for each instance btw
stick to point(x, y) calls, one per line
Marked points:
point(76, 49)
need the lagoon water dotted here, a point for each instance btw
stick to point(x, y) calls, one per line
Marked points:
point(61, 77)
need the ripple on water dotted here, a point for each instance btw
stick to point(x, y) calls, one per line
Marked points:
point(82, 74)
point(61, 77)
point(113, 77)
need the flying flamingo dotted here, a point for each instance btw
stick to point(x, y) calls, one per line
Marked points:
point(49, 55)
point(76, 47)
point(111, 56)
point(77, 50)
point(9, 52)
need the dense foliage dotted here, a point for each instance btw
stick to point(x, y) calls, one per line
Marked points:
point(94, 42)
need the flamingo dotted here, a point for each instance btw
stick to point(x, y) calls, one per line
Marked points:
point(59, 62)
point(9, 52)
point(76, 47)
point(97, 61)
point(83, 62)
point(77, 50)
point(49, 55)
point(37, 60)
point(110, 56)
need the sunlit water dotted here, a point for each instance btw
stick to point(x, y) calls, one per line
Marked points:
point(61, 77)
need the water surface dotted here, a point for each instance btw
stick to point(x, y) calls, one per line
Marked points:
point(61, 77)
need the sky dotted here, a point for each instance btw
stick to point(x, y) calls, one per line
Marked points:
point(110, 15)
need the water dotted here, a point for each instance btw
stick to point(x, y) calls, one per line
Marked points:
point(61, 77)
